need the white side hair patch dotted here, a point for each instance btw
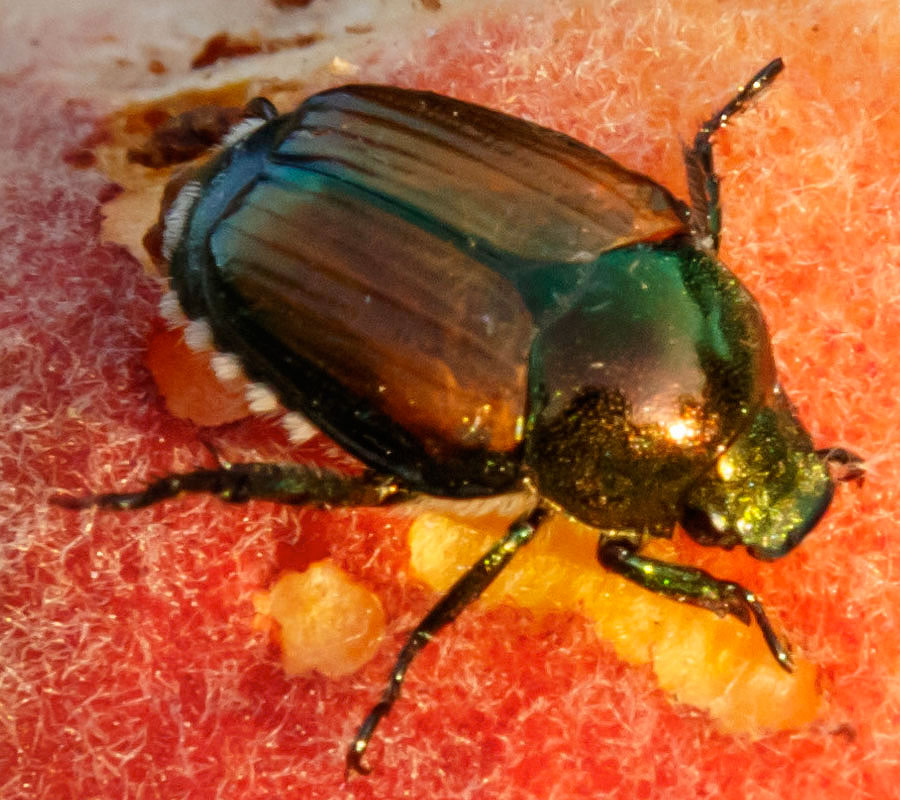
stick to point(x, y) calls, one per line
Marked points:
point(241, 131)
point(299, 428)
point(176, 217)
point(198, 335)
point(227, 367)
point(170, 310)
point(261, 399)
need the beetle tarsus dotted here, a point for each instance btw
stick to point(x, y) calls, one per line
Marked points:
point(694, 586)
point(154, 492)
point(467, 589)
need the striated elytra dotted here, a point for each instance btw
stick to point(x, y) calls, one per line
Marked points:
point(475, 306)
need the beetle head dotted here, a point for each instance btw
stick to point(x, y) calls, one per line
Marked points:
point(766, 491)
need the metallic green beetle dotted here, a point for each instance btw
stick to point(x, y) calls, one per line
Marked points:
point(474, 305)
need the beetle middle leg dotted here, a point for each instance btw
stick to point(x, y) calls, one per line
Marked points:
point(703, 183)
point(466, 590)
point(695, 586)
point(294, 484)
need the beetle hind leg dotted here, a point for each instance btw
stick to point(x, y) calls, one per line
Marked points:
point(466, 590)
point(703, 183)
point(694, 586)
point(294, 484)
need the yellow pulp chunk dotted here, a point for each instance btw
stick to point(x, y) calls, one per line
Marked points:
point(715, 664)
point(325, 620)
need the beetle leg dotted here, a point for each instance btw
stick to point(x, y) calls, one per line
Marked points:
point(703, 183)
point(467, 589)
point(294, 484)
point(695, 586)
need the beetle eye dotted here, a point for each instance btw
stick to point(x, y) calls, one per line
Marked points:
point(710, 530)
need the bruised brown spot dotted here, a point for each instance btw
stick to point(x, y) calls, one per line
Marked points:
point(186, 136)
point(109, 192)
point(152, 241)
point(224, 45)
point(291, 3)
point(80, 157)
point(150, 118)
point(135, 132)
point(431, 5)
point(130, 130)
point(157, 67)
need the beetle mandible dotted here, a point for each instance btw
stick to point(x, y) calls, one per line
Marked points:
point(474, 305)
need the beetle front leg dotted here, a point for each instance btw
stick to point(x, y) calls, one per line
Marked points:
point(465, 591)
point(294, 484)
point(695, 586)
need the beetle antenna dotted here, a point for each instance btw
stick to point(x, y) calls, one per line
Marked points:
point(703, 183)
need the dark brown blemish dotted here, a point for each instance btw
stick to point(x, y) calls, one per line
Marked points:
point(186, 136)
point(224, 45)
point(82, 155)
point(363, 28)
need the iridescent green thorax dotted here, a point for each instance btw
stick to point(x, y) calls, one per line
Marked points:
point(640, 379)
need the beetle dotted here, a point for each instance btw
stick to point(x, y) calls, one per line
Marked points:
point(476, 306)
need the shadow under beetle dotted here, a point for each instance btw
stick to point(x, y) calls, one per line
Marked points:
point(474, 305)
